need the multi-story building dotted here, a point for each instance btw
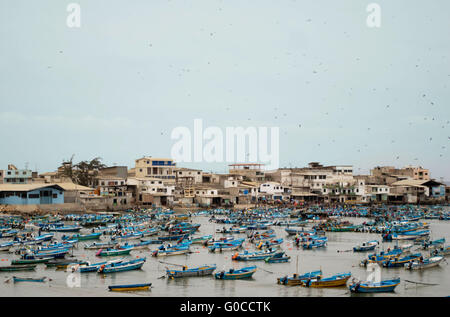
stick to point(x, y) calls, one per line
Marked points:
point(151, 191)
point(417, 173)
point(162, 168)
point(13, 175)
point(253, 172)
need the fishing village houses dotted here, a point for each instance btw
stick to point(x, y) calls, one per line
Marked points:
point(159, 182)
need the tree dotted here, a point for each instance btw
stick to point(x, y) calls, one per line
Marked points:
point(84, 172)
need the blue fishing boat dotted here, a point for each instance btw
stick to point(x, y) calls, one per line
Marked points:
point(28, 279)
point(226, 246)
point(171, 251)
point(73, 228)
point(83, 237)
point(269, 243)
point(298, 279)
point(372, 287)
point(232, 274)
point(94, 267)
point(400, 262)
point(366, 246)
point(57, 253)
point(253, 256)
point(279, 257)
point(100, 245)
point(433, 244)
point(122, 266)
point(314, 244)
point(194, 272)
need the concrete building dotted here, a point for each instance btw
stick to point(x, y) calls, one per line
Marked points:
point(272, 191)
point(253, 172)
point(409, 172)
point(162, 168)
point(314, 177)
point(151, 191)
point(31, 194)
point(13, 175)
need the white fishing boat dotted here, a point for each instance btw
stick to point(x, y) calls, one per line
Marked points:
point(425, 264)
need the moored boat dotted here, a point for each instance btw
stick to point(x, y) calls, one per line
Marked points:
point(298, 279)
point(198, 271)
point(28, 279)
point(333, 281)
point(130, 287)
point(122, 266)
point(114, 252)
point(374, 287)
point(232, 274)
point(17, 268)
point(424, 263)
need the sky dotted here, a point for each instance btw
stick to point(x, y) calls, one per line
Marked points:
point(339, 91)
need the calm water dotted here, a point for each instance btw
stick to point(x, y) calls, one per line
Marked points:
point(263, 282)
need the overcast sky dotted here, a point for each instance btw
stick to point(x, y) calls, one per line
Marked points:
point(340, 92)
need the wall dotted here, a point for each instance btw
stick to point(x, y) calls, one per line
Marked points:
point(19, 200)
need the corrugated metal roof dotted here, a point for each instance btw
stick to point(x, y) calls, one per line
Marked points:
point(34, 186)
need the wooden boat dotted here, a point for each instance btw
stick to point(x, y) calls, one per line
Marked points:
point(253, 256)
point(28, 279)
point(130, 287)
point(57, 254)
point(122, 266)
point(84, 237)
point(333, 281)
point(400, 262)
point(441, 251)
point(113, 252)
point(269, 243)
point(137, 246)
point(226, 246)
point(173, 237)
point(30, 260)
point(130, 236)
point(279, 257)
point(246, 272)
point(63, 262)
point(97, 245)
point(194, 272)
point(65, 229)
point(382, 256)
point(170, 252)
point(366, 246)
point(298, 279)
point(200, 240)
point(433, 244)
point(371, 287)
point(425, 264)
point(6, 246)
point(314, 244)
point(302, 231)
point(94, 267)
point(17, 268)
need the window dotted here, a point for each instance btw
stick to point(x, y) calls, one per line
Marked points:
point(33, 196)
point(55, 196)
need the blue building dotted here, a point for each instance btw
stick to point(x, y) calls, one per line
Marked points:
point(31, 194)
